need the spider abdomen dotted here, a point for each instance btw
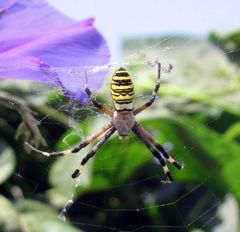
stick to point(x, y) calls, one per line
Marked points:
point(122, 90)
point(123, 122)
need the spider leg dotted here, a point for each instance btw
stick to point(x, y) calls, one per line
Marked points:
point(159, 147)
point(136, 130)
point(154, 93)
point(100, 106)
point(92, 152)
point(76, 149)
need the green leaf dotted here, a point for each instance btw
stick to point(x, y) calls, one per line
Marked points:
point(39, 222)
point(9, 218)
point(7, 161)
point(202, 75)
point(57, 197)
point(30, 206)
point(39, 217)
point(233, 132)
point(60, 173)
point(63, 167)
point(228, 213)
point(232, 174)
point(114, 164)
point(206, 154)
point(229, 42)
point(117, 161)
point(197, 230)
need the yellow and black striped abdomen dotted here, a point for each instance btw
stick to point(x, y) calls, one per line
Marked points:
point(122, 90)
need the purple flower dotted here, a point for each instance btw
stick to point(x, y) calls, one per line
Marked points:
point(40, 44)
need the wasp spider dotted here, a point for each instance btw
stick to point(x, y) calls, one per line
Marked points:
point(122, 121)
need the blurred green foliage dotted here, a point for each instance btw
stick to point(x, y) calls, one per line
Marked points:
point(196, 116)
point(229, 42)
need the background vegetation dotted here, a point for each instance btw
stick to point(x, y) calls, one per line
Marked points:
point(196, 117)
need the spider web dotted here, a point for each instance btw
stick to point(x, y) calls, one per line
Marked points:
point(146, 194)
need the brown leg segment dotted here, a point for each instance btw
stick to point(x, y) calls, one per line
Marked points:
point(91, 153)
point(76, 149)
point(154, 93)
point(101, 107)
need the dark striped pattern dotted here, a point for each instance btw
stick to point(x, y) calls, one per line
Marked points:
point(122, 90)
point(136, 130)
point(76, 149)
point(159, 147)
point(92, 152)
point(101, 107)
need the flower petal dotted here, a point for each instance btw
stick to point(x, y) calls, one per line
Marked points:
point(25, 20)
point(42, 51)
point(27, 68)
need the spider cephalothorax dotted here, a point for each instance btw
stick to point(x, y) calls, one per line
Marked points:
point(123, 121)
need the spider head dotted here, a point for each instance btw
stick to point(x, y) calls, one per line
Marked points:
point(122, 90)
